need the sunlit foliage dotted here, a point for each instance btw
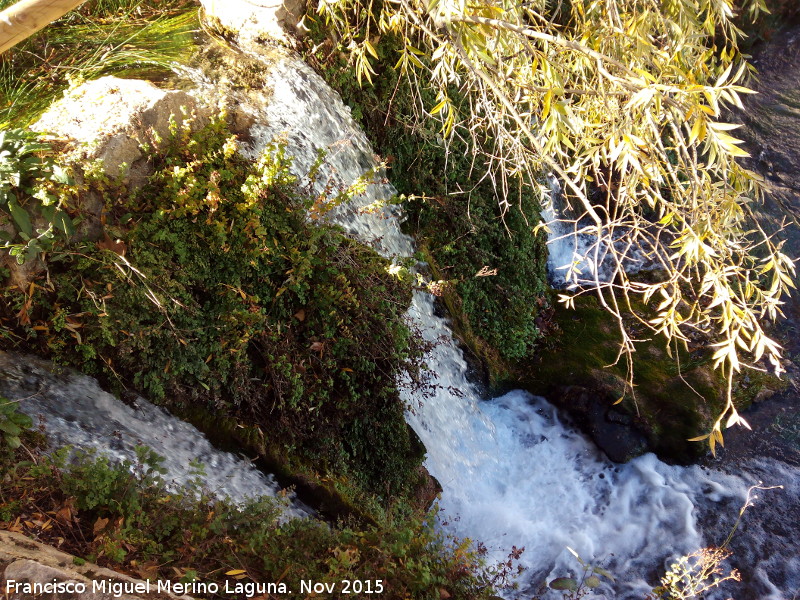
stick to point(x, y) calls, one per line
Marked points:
point(623, 103)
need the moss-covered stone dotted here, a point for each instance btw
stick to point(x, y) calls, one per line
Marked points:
point(491, 267)
point(221, 293)
point(676, 396)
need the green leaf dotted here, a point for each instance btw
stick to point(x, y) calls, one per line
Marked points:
point(10, 428)
point(564, 583)
point(603, 572)
point(592, 582)
point(63, 222)
point(22, 420)
point(21, 217)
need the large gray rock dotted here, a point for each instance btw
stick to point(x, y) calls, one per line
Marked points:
point(256, 21)
point(111, 119)
point(26, 561)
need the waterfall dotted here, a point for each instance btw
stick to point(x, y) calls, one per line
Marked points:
point(578, 255)
point(513, 474)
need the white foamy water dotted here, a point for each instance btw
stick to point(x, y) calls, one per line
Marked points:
point(513, 474)
point(578, 256)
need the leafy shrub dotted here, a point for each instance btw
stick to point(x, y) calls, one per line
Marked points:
point(12, 424)
point(26, 169)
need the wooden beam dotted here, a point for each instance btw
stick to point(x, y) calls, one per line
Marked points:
point(25, 18)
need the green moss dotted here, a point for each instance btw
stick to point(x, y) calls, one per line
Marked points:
point(584, 352)
point(458, 233)
point(228, 297)
point(675, 397)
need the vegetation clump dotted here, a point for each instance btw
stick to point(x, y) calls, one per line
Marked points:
point(622, 103)
point(101, 37)
point(213, 288)
point(123, 516)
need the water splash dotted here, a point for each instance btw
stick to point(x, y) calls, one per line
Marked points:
point(579, 256)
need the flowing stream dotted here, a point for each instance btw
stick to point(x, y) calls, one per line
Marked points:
point(75, 411)
point(513, 473)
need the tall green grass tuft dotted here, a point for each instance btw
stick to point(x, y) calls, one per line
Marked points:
point(140, 38)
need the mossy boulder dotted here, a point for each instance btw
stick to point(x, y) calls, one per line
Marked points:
point(676, 396)
point(212, 288)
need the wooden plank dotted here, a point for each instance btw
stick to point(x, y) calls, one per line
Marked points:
point(25, 18)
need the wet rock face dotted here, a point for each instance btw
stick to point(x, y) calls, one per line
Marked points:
point(772, 134)
point(613, 430)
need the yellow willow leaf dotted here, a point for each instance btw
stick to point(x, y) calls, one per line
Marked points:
point(640, 98)
point(718, 435)
point(724, 76)
point(548, 98)
point(737, 152)
point(370, 48)
point(698, 132)
point(723, 126)
point(440, 106)
point(415, 61)
point(699, 438)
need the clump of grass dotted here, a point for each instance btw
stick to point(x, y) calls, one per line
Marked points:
point(140, 38)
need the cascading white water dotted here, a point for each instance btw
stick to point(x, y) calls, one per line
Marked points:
point(512, 473)
point(577, 257)
point(75, 411)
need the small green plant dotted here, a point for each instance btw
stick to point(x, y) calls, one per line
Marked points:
point(588, 580)
point(12, 424)
point(26, 169)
